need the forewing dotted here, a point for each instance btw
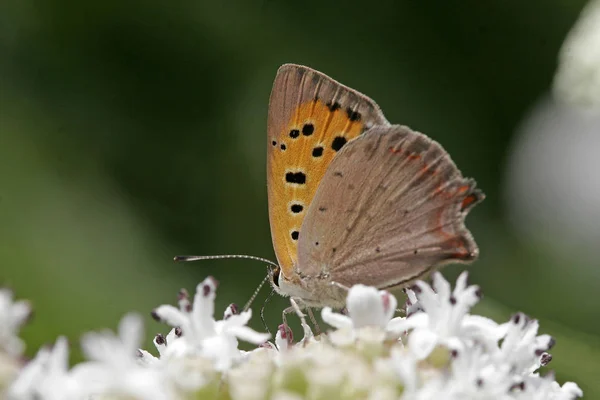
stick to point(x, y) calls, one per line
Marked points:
point(311, 117)
point(390, 207)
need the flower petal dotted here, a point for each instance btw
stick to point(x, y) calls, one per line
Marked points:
point(366, 306)
point(170, 315)
point(421, 342)
point(400, 324)
point(248, 334)
point(239, 319)
point(461, 283)
point(389, 305)
point(441, 285)
point(131, 330)
point(336, 320)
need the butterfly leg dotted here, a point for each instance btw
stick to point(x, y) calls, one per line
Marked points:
point(290, 310)
point(296, 308)
point(293, 308)
point(314, 321)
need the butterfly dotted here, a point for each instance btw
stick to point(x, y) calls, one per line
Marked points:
point(354, 199)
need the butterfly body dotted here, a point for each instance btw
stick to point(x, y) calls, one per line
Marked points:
point(314, 291)
point(354, 199)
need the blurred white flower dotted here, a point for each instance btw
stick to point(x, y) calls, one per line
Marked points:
point(577, 79)
point(9, 370)
point(546, 388)
point(404, 364)
point(12, 315)
point(47, 376)
point(367, 308)
point(552, 188)
point(114, 368)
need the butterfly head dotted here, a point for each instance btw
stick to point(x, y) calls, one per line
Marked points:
point(314, 291)
point(284, 286)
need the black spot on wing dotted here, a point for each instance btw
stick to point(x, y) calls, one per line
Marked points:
point(338, 143)
point(295, 177)
point(308, 129)
point(353, 115)
point(333, 106)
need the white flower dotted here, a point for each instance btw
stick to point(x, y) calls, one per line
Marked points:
point(9, 370)
point(12, 315)
point(171, 346)
point(187, 373)
point(47, 377)
point(366, 306)
point(577, 79)
point(480, 366)
point(475, 374)
point(546, 388)
point(444, 318)
point(252, 379)
point(201, 334)
point(114, 367)
point(370, 316)
point(450, 355)
point(405, 366)
point(521, 347)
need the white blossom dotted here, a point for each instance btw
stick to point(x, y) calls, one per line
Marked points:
point(114, 368)
point(449, 354)
point(201, 334)
point(368, 309)
point(442, 317)
point(47, 376)
point(366, 306)
point(12, 315)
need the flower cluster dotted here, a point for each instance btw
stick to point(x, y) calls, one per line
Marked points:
point(438, 350)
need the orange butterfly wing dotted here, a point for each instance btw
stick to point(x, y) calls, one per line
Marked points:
point(311, 117)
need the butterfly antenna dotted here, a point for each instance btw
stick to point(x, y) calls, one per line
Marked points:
point(238, 256)
point(262, 310)
point(249, 302)
point(224, 256)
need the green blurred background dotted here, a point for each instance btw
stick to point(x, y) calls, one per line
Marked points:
point(134, 131)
